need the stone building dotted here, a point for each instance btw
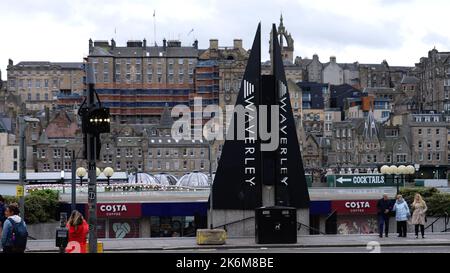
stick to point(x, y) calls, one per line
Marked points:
point(430, 142)
point(136, 81)
point(38, 84)
point(433, 72)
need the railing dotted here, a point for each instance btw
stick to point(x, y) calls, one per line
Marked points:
point(299, 225)
point(234, 222)
point(446, 222)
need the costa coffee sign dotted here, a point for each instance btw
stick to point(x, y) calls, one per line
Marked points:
point(354, 206)
point(119, 210)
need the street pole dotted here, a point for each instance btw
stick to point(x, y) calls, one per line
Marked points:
point(74, 181)
point(22, 157)
point(92, 168)
point(398, 190)
point(211, 226)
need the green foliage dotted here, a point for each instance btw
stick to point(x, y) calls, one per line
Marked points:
point(40, 206)
point(437, 202)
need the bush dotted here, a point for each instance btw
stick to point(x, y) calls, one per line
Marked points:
point(40, 206)
point(438, 203)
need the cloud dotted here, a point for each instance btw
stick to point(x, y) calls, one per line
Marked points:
point(352, 30)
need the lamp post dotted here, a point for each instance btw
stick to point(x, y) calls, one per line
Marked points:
point(402, 170)
point(108, 172)
point(23, 120)
point(394, 171)
point(81, 172)
point(410, 169)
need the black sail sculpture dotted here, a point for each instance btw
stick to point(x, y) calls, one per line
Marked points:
point(237, 183)
point(291, 187)
point(243, 167)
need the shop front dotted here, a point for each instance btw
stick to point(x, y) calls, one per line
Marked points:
point(355, 216)
point(118, 220)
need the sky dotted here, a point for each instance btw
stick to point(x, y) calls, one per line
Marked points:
point(368, 31)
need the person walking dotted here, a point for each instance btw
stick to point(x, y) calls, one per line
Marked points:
point(418, 217)
point(402, 214)
point(384, 207)
point(14, 233)
point(78, 230)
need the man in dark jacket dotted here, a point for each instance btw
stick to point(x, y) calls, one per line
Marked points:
point(384, 207)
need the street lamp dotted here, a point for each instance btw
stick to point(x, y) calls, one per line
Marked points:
point(108, 172)
point(410, 170)
point(23, 120)
point(209, 137)
point(402, 170)
point(81, 172)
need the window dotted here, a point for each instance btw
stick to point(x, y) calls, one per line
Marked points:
point(438, 144)
point(15, 153)
point(420, 145)
point(42, 153)
point(46, 167)
point(438, 131)
point(55, 83)
point(140, 152)
point(180, 61)
point(118, 166)
point(56, 153)
point(158, 153)
point(150, 153)
point(67, 165)
point(38, 84)
point(202, 165)
point(38, 96)
point(167, 152)
point(430, 156)
point(185, 152)
point(159, 165)
point(105, 76)
point(129, 152)
point(46, 83)
point(139, 166)
point(192, 152)
point(118, 151)
point(419, 131)
point(30, 84)
point(429, 144)
point(184, 164)
point(29, 96)
point(67, 153)
point(388, 158)
point(150, 165)
point(202, 152)
point(176, 165)
point(57, 166)
point(105, 158)
point(429, 131)
point(167, 165)
point(438, 156)
point(129, 165)
point(46, 96)
point(420, 156)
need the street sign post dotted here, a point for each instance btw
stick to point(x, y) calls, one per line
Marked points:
point(361, 180)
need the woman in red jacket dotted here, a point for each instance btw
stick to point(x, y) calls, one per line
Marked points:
point(78, 230)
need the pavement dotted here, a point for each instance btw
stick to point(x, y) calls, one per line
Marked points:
point(320, 243)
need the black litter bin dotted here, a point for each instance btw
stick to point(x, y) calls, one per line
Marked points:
point(276, 225)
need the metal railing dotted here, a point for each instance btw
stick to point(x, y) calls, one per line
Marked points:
point(446, 222)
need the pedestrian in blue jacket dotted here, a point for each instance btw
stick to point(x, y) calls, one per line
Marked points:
point(402, 214)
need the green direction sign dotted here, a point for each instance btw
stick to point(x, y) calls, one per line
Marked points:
point(362, 180)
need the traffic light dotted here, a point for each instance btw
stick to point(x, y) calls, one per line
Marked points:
point(96, 121)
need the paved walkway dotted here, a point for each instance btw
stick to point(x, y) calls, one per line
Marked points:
point(189, 243)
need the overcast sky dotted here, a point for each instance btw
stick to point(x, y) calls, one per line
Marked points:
point(368, 31)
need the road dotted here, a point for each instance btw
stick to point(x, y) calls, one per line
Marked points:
point(384, 249)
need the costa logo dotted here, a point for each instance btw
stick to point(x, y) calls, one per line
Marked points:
point(357, 205)
point(113, 208)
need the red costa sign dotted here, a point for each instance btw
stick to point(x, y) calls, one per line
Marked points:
point(355, 206)
point(118, 210)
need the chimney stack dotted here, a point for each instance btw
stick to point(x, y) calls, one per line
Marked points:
point(213, 44)
point(91, 45)
point(195, 44)
point(164, 44)
point(145, 43)
point(113, 44)
point(10, 63)
point(237, 43)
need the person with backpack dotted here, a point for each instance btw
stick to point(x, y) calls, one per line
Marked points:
point(2, 212)
point(14, 234)
point(402, 214)
point(78, 231)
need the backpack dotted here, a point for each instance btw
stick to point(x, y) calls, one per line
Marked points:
point(19, 235)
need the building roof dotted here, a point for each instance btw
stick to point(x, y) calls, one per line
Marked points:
point(409, 80)
point(153, 51)
point(62, 126)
